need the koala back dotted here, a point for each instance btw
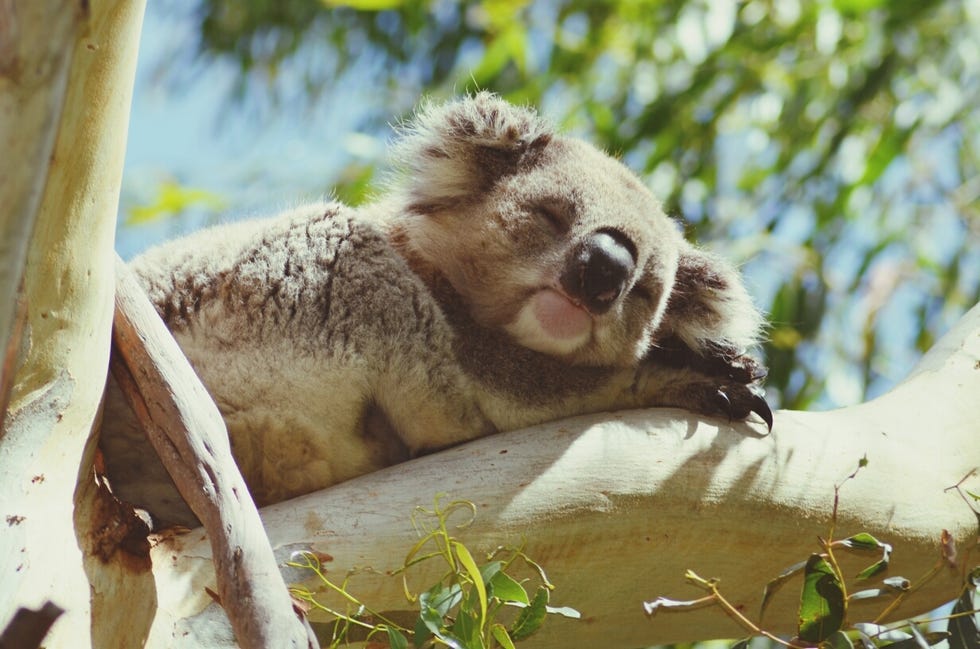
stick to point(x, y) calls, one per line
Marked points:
point(299, 327)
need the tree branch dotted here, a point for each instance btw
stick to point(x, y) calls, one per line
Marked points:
point(187, 431)
point(617, 506)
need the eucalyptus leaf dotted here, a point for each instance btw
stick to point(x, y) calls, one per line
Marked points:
point(501, 636)
point(505, 588)
point(396, 640)
point(862, 541)
point(821, 602)
point(776, 583)
point(531, 617)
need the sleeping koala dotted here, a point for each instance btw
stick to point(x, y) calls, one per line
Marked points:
point(510, 276)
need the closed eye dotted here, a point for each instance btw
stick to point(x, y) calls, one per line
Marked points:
point(550, 216)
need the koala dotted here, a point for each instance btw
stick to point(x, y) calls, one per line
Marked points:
point(508, 276)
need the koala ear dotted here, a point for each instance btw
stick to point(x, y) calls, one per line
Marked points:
point(450, 152)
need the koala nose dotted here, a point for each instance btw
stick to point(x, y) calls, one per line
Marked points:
point(598, 270)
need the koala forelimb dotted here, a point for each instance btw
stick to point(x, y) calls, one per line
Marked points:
point(510, 276)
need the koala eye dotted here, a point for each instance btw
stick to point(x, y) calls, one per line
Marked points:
point(551, 216)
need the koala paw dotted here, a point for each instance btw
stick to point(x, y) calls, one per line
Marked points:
point(729, 363)
point(722, 381)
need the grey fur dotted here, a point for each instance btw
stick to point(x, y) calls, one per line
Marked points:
point(336, 341)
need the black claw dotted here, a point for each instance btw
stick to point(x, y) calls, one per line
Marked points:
point(726, 403)
point(761, 408)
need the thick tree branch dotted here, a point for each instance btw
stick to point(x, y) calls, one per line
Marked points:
point(618, 506)
point(187, 431)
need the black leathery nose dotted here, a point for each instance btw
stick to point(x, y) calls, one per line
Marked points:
point(598, 271)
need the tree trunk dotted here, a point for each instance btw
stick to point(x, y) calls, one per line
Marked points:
point(68, 138)
point(616, 507)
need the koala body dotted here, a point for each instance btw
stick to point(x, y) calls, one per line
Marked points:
point(510, 276)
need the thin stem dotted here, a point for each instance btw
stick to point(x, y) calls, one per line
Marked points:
point(744, 621)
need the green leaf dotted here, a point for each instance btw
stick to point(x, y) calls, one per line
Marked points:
point(435, 604)
point(866, 542)
point(506, 589)
point(172, 199)
point(821, 602)
point(465, 628)
point(422, 632)
point(501, 636)
point(432, 619)
point(775, 583)
point(862, 541)
point(354, 186)
point(489, 570)
point(873, 569)
point(441, 599)
point(396, 640)
point(507, 46)
point(531, 617)
point(365, 5)
point(857, 6)
point(466, 559)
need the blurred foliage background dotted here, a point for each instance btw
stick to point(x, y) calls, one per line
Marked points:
point(830, 147)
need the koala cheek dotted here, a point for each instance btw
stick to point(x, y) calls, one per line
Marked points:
point(558, 317)
point(551, 324)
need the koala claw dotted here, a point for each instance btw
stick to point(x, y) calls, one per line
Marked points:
point(726, 403)
point(760, 406)
point(747, 399)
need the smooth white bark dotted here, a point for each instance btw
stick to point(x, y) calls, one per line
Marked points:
point(36, 39)
point(617, 506)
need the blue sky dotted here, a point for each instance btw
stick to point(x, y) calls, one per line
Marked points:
point(184, 126)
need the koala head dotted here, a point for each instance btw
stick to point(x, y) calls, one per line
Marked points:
point(543, 236)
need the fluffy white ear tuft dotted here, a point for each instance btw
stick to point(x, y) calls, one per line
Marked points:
point(709, 304)
point(454, 151)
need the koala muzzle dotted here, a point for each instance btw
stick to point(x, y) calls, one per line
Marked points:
point(598, 270)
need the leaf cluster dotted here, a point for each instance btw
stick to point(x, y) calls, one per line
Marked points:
point(463, 610)
point(824, 600)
